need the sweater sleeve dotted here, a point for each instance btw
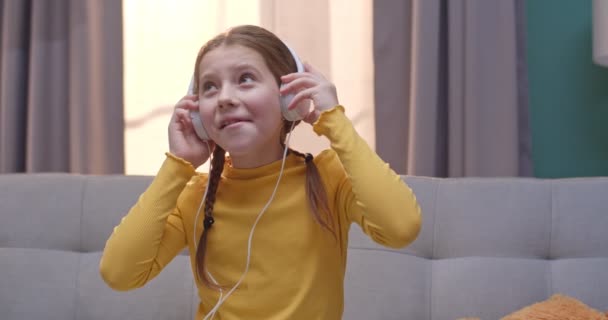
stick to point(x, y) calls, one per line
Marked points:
point(151, 234)
point(371, 194)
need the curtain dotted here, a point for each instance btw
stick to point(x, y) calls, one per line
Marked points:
point(451, 87)
point(61, 95)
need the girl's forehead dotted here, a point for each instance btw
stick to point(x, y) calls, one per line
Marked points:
point(228, 55)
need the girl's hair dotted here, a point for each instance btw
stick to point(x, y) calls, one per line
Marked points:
point(279, 60)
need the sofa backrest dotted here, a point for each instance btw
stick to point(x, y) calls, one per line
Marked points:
point(488, 246)
point(53, 228)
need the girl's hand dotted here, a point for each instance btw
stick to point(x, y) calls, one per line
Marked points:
point(183, 141)
point(310, 84)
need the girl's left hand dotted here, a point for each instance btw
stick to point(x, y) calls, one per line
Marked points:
point(310, 84)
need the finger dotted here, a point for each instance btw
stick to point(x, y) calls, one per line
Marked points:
point(288, 78)
point(191, 96)
point(183, 116)
point(309, 68)
point(312, 116)
point(187, 104)
point(294, 75)
point(298, 85)
point(301, 96)
point(186, 125)
point(188, 97)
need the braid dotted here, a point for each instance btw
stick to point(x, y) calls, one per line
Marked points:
point(315, 192)
point(217, 166)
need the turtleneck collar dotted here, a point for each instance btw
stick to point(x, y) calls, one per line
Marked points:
point(265, 170)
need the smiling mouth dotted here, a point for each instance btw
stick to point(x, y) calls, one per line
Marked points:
point(231, 122)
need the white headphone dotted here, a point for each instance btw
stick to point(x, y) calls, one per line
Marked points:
point(295, 114)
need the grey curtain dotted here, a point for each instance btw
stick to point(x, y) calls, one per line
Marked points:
point(61, 92)
point(451, 87)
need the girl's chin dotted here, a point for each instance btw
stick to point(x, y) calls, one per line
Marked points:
point(241, 148)
point(240, 152)
point(251, 151)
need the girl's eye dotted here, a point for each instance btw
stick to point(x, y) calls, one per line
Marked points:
point(208, 86)
point(246, 77)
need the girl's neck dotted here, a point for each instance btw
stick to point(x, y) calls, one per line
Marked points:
point(256, 159)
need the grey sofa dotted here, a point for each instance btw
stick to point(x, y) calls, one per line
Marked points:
point(487, 247)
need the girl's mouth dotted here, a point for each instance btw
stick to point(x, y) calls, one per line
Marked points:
point(230, 122)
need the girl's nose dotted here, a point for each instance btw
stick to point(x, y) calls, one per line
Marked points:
point(227, 97)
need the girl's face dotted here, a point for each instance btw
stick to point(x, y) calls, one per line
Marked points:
point(239, 105)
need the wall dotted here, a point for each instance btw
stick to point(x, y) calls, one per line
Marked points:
point(568, 93)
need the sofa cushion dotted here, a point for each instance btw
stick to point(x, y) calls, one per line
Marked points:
point(165, 297)
point(397, 285)
point(41, 211)
point(579, 218)
point(38, 283)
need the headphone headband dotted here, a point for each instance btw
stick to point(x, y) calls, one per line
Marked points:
point(299, 65)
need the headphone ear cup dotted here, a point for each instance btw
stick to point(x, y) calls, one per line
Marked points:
point(303, 108)
point(297, 113)
point(197, 123)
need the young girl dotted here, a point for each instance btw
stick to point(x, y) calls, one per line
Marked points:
point(267, 228)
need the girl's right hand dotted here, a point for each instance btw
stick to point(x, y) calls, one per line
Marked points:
point(183, 141)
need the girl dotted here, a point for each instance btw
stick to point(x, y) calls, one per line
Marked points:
point(271, 241)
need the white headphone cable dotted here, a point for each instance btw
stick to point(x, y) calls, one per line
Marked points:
point(220, 300)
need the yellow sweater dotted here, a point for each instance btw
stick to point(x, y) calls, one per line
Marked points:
point(297, 267)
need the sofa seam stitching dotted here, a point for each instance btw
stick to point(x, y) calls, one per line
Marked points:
point(432, 260)
point(77, 291)
point(388, 250)
point(82, 195)
point(80, 251)
point(433, 242)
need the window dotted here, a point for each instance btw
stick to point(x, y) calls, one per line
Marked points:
point(162, 38)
